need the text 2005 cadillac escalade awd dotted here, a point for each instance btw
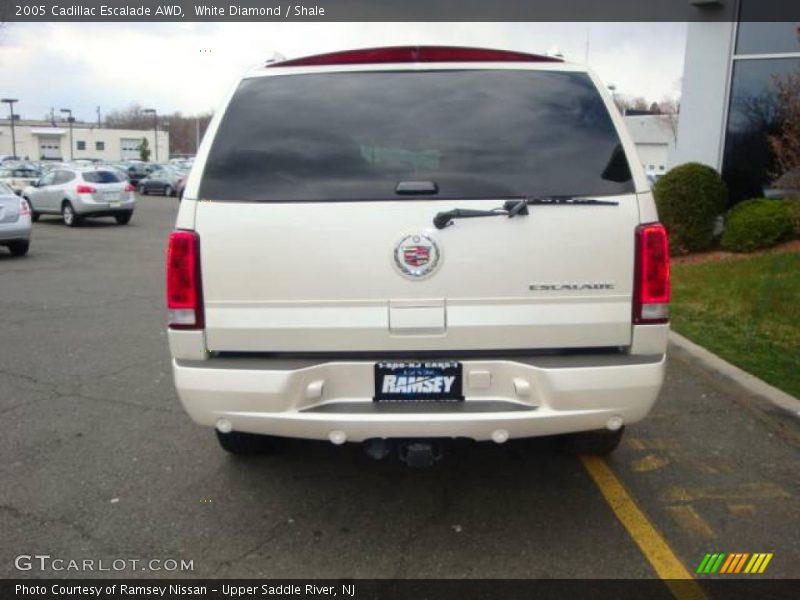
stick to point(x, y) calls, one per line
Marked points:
point(403, 245)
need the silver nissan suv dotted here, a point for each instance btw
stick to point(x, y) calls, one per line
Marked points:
point(79, 192)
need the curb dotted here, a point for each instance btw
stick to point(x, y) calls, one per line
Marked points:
point(743, 379)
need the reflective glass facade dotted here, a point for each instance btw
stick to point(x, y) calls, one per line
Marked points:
point(764, 53)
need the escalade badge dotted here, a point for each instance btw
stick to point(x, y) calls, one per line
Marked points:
point(416, 256)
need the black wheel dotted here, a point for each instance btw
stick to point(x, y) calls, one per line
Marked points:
point(168, 190)
point(68, 215)
point(34, 214)
point(143, 190)
point(597, 443)
point(237, 442)
point(19, 248)
point(124, 218)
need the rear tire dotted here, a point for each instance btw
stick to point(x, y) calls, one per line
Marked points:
point(68, 215)
point(19, 248)
point(600, 442)
point(142, 190)
point(124, 218)
point(237, 442)
point(168, 190)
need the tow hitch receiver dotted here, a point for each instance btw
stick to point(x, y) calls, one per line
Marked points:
point(417, 454)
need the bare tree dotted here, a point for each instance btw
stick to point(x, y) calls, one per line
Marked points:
point(669, 108)
point(132, 117)
point(785, 144)
point(184, 130)
point(625, 103)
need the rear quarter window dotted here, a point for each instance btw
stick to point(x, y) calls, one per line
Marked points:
point(355, 136)
point(101, 177)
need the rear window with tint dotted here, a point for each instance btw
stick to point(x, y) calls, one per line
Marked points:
point(355, 136)
point(101, 177)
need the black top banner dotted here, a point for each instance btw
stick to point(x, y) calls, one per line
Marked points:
point(399, 10)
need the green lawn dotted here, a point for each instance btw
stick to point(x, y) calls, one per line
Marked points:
point(746, 310)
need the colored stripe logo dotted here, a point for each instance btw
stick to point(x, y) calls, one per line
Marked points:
point(737, 562)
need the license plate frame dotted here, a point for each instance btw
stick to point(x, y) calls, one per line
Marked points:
point(418, 381)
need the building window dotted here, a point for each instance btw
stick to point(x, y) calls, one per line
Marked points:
point(767, 38)
point(80, 145)
point(748, 165)
point(99, 145)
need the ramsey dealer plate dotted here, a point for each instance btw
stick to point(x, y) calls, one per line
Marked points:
point(418, 381)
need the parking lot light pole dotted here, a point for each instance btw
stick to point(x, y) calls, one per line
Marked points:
point(70, 120)
point(155, 127)
point(10, 102)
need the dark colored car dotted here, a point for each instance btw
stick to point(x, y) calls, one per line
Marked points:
point(138, 171)
point(161, 181)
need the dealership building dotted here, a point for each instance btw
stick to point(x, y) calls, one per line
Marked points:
point(728, 104)
point(654, 137)
point(38, 140)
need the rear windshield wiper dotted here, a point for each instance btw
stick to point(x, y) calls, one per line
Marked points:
point(514, 207)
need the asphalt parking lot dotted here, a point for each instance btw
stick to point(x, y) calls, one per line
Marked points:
point(100, 461)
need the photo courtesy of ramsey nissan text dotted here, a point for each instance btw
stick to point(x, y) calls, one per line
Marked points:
point(384, 300)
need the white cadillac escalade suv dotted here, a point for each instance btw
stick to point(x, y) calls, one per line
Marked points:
point(402, 245)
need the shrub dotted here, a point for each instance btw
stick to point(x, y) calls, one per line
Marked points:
point(794, 212)
point(689, 198)
point(755, 224)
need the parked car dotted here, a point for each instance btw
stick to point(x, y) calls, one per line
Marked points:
point(179, 163)
point(18, 177)
point(138, 171)
point(79, 192)
point(161, 181)
point(119, 169)
point(342, 293)
point(46, 166)
point(15, 221)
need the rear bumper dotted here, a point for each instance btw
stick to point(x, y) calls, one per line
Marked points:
point(20, 230)
point(85, 205)
point(519, 397)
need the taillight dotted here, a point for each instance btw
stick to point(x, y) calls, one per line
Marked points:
point(24, 207)
point(651, 280)
point(130, 188)
point(184, 295)
point(85, 189)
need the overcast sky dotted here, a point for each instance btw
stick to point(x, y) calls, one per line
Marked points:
point(189, 66)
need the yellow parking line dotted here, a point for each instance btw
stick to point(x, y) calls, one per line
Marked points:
point(652, 544)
